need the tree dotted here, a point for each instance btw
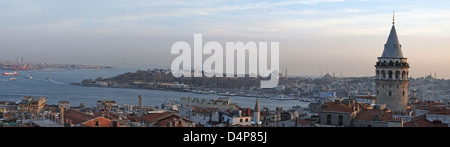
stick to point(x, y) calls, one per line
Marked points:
point(87, 82)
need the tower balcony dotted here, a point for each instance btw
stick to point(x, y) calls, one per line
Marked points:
point(391, 64)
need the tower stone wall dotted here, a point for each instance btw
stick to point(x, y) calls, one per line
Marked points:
point(392, 70)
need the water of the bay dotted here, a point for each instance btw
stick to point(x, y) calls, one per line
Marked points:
point(56, 86)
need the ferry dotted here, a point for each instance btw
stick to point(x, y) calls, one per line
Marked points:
point(304, 100)
point(282, 97)
point(10, 73)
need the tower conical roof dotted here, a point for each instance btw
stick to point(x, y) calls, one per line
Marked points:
point(257, 109)
point(392, 48)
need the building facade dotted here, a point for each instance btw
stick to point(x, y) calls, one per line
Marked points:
point(32, 105)
point(392, 75)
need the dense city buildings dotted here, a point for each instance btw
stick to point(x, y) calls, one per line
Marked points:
point(389, 99)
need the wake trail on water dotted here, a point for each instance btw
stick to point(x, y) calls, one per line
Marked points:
point(51, 81)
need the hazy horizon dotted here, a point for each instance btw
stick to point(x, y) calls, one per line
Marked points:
point(340, 36)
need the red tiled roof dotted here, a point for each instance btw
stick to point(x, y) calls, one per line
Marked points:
point(154, 116)
point(422, 121)
point(107, 114)
point(371, 114)
point(77, 117)
point(439, 111)
point(418, 104)
point(304, 121)
point(336, 107)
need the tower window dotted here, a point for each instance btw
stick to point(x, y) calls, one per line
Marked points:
point(390, 74)
point(403, 93)
point(390, 93)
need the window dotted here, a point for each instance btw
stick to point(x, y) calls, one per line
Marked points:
point(240, 120)
point(246, 120)
point(390, 74)
point(390, 93)
point(97, 123)
point(328, 119)
point(403, 93)
point(341, 120)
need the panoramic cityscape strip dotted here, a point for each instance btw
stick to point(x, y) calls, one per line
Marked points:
point(224, 72)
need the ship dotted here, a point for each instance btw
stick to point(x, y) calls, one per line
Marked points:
point(12, 79)
point(10, 73)
point(282, 97)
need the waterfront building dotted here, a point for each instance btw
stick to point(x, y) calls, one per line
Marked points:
point(392, 75)
point(106, 104)
point(32, 105)
point(6, 106)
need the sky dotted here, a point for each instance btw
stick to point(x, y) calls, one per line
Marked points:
point(344, 37)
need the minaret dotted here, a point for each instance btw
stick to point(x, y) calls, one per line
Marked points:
point(285, 76)
point(257, 113)
point(392, 75)
point(140, 101)
point(61, 115)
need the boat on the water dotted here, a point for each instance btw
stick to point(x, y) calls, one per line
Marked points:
point(12, 79)
point(282, 97)
point(10, 73)
point(29, 77)
point(304, 100)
